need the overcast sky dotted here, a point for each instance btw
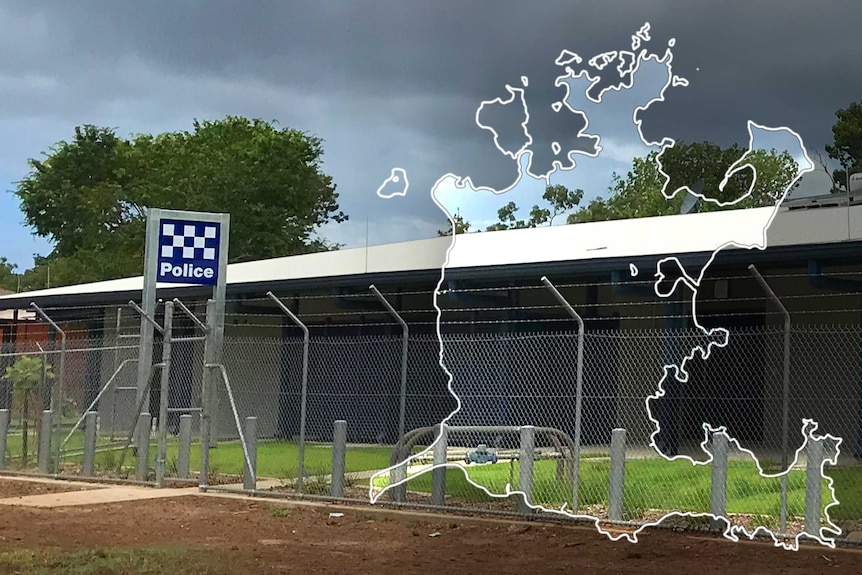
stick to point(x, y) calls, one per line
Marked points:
point(391, 83)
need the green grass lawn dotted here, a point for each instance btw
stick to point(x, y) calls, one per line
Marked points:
point(281, 459)
point(654, 484)
point(650, 483)
point(15, 444)
point(278, 460)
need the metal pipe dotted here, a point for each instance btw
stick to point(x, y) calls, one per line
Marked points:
point(98, 397)
point(116, 362)
point(144, 393)
point(58, 411)
point(404, 447)
point(785, 406)
point(184, 409)
point(579, 388)
point(221, 369)
point(190, 315)
point(191, 338)
point(405, 336)
point(206, 400)
point(146, 316)
point(303, 402)
point(146, 370)
point(164, 394)
point(44, 357)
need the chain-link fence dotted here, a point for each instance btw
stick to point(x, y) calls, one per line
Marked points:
point(502, 382)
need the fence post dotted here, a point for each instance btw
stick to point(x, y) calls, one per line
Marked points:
point(143, 447)
point(339, 450)
point(405, 340)
point(438, 474)
point(618, 472)
point(57, 407)
point(785, 395)
point(579, 389)
point(718, 488)
point(88, 467)
point(184, 454)
point(303, 399)
point(44, 454)
point(525, 467)
point(397, 475)
point(164, 393)
point(249, 472)
point(4, 431)
point(207, 392)
point(813, 486)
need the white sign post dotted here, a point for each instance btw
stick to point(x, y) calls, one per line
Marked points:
point(189, 248)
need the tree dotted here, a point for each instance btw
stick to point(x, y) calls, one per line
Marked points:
point(508, 220)
point(8, 277)
point(90, 195)
point(702, 165)
point(560, 199)
point(461, 227)
point(26, 376)
point(846, 145)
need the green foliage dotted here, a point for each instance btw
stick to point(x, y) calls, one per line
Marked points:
point(846, 145)
point(25, 377)
point(8, 278)
point(639, 193)
point(651, 484)
point(559, 198)
point(108, 460)
point(508, 220)
point(90, 195)
point(280, 512)
point(461, 227)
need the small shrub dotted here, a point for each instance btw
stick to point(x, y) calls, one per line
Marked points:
point(27, 376)
point(280, 512)
point(108, 460)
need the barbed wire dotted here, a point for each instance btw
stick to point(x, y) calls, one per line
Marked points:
point(488, 289)
point(711, 317)
point(83, 345)
point(445, 309)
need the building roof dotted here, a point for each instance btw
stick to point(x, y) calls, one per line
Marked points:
point(697, 233)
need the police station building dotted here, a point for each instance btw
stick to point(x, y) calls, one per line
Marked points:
point(513, 347)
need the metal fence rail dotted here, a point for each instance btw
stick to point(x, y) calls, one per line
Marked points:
point(296, 388)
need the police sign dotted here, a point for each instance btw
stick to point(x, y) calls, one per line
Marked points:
point(188, 252)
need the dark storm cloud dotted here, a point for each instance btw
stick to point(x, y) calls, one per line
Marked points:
point(413, 73)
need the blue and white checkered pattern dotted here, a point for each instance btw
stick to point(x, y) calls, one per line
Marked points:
point(188, 242)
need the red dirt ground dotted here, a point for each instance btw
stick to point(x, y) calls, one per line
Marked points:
point(9, 488)
point(248, 537)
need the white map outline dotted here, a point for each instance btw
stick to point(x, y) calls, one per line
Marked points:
point(809, 426)
point(395, 176)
